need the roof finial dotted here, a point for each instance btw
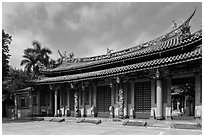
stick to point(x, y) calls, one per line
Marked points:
point(174, 25)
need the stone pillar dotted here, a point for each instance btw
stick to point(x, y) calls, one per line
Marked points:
point(68, 103)
point(55, 103)
point(125, 101)
point(38, 101)
point(132, 110)
point(76, 103)
point(153, 98)
point(168, 107)
point(159, 99)
point(83, 102)
point(61, 94)
point(198, 96)
point(16, 107)
point(121, 102)
point(50, 104)
point(47, 102)
point(111, 108)
point(94, 109)
point(94, 95)
point(30, 102)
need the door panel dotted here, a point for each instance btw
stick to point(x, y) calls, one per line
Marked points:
point(142, 99)
point(103, 101)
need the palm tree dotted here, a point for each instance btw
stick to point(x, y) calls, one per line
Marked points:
point(42, 53)
point(35, 56)
point(30, 61)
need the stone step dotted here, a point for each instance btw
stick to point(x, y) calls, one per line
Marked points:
point(187, 125)
point(94, 121)
point(135, 123)
point(183, 118)
point(57, 120)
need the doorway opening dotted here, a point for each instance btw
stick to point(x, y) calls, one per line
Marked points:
point(183, 97)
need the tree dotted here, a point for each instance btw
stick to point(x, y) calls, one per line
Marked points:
point(42, 53)
point(16, 79)
point(6, 40)
point(34, 57)
point(31, 62)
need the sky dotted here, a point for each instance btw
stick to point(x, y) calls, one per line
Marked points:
point(88, 29)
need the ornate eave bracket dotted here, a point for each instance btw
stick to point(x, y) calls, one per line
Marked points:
point(160, 73)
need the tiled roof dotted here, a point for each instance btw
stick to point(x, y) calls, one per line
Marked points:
point(159, 47)
point(161, 62)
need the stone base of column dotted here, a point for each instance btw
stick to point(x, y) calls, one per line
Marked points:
point(111, 116)
point(131, 117)
point(168, 118)
point(160, 118)
point(152, 117)
point(121, 117)
point(198, 111)
point(198, 118)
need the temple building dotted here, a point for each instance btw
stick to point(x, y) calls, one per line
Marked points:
point(159, 79)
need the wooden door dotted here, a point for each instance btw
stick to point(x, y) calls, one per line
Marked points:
point(142, 99)
point(103, 101)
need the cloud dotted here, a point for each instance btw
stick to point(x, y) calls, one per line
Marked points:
point(89, 15)
point(142, 38)
point(8, 13)
point(165, 9)
point(72, 25)
point(22, 40)
point(54, 9)
point(86, 29)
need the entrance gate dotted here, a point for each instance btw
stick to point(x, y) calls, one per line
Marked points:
point(103, 101)
point(142, 99)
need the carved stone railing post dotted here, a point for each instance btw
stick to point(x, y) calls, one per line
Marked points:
point(121, 99)
point(76, 103)
point(121, 103)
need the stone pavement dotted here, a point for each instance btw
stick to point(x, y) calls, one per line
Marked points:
point(180, 124)
point(70, 127)
point(183, 124)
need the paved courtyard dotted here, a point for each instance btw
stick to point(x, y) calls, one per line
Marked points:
point(72, 128)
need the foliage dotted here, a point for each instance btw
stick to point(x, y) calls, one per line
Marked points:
point(16, 79)
point(35, 57)
point(6, 40)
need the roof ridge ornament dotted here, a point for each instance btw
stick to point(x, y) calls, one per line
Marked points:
point(108, 54)
point(185, 27)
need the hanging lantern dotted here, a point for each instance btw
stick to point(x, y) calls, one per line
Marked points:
point(157, 74)
point(50, 87)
